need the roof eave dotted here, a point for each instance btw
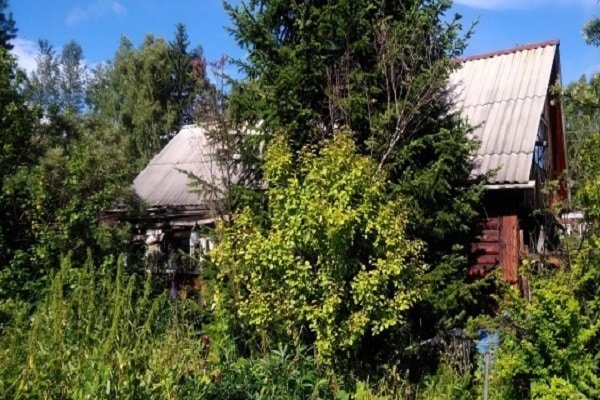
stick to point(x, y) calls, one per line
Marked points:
point(501, 186)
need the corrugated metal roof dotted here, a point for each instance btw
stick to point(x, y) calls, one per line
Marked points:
point(502, 95)
point(163, 182)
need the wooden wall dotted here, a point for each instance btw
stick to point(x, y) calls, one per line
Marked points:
point(509, 248)
point(485, 251)
point(497, 245)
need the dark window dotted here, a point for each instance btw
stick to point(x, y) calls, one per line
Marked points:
point(540, 153)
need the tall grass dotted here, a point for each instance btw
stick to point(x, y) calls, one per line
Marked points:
point(100, 334)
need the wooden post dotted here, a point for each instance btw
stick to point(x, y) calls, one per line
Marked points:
point(509, 248)
point(486, 374)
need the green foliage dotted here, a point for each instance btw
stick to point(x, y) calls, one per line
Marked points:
point(73, 78)
point(557, 388)
point(188, 76)
point(16, 150)
point(8, 30)
point(588, 196)
point(570, 301)
point(60, 199)
point(143, 77)
point(548, 345)
point(586, 265)
point(334, 266)
point(44, 83)
point(446, 384)
point(582, 113)
point(101, 334)
point(149, 92)
point(378, 69)
point(305, 57)
point(443, 202)
point(16, 118)
point(58, 82)
point(591, 32)
point(282, 374)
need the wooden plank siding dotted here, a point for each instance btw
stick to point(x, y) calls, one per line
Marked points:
point(485, 251)
point(509, 248)
point(497, 245)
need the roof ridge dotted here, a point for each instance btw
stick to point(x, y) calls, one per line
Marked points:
point(531, 46)
point(180, 163)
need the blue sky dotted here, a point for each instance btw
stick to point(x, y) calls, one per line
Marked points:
point(507, 23)
point(98, 25)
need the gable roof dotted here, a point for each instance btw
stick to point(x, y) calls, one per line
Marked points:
point(163, 183)
point(502, 95)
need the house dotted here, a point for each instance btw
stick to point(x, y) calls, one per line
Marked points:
point(182, 189)
point(508, 98)
point(574, 223)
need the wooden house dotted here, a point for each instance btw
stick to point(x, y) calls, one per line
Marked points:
point(182, 189)
point(509, 97)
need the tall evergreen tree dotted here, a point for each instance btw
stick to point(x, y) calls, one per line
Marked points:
point(379, 68)
point(190, 87)
point(182, 75)
point(8, 30)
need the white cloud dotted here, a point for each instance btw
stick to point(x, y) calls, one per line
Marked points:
point(25, 51)
point(520, 4)
point(97, 9)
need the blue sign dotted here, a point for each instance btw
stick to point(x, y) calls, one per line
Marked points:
point(487, 342)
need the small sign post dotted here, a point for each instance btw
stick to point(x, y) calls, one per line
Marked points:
point(487, 344)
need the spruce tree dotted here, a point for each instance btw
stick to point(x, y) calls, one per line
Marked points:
point(183, 90)
point(378, 68)
point(8, 30)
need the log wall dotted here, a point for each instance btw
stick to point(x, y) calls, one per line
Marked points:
point(497, 245)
